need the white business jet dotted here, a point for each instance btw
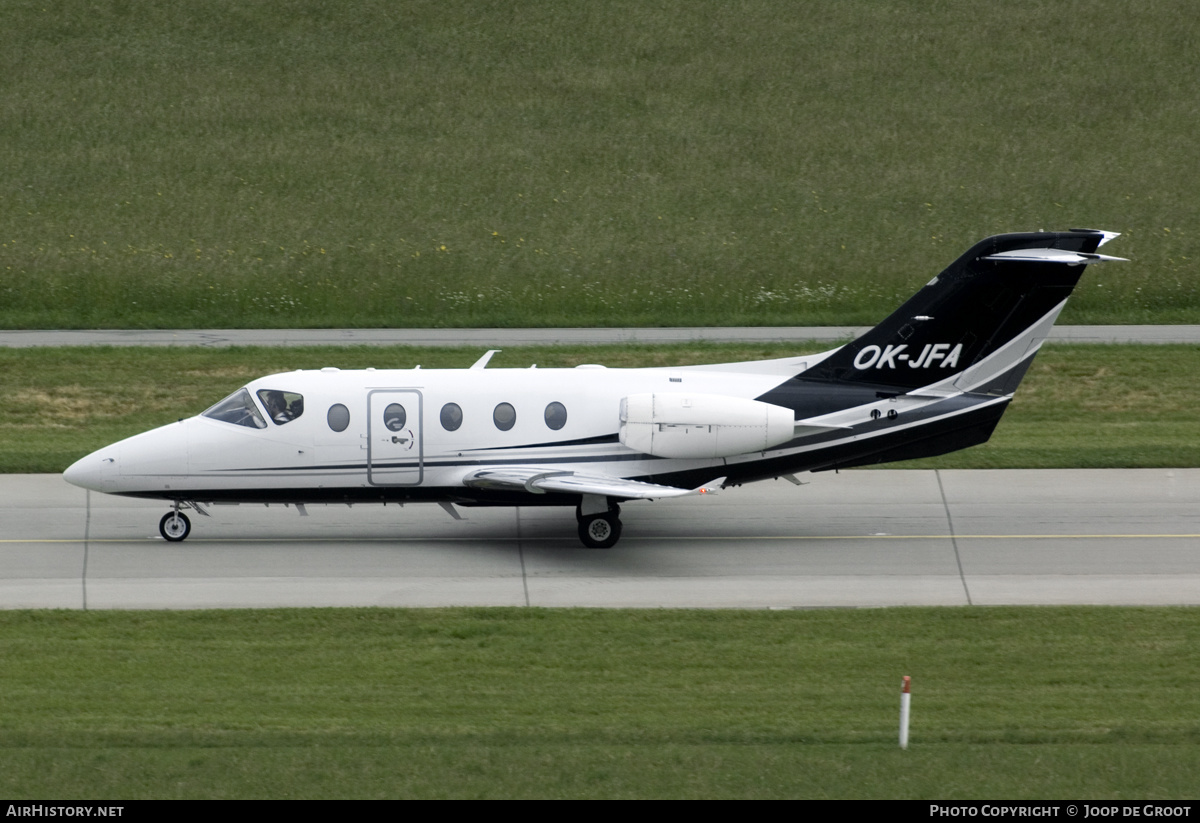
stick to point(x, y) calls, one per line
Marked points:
point(932, 378)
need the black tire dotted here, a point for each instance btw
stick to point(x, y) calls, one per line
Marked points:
point(175, 526)
point(600, 531)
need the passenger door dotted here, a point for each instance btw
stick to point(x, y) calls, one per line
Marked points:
point(395, 448)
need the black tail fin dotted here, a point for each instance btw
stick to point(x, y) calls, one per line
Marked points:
point(976, 322)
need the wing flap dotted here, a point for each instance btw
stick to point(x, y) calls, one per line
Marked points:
point(540, 480)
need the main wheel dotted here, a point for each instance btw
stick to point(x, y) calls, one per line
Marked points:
point(600, 531)
point(174, 526)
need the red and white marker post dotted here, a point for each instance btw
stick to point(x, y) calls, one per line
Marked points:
point(905, 700)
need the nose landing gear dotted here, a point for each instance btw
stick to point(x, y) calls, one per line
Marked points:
point(174, 526)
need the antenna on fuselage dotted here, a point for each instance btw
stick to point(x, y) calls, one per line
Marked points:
point(482, 362)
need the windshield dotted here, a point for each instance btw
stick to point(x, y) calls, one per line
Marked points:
point(239, 409)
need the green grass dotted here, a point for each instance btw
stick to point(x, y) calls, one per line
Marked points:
point(311, 163)
point(1080, 406)
point(1095, 407)
point(1008, 702)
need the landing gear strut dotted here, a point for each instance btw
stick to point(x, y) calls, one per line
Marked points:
point(175, 525)
point(600, 530)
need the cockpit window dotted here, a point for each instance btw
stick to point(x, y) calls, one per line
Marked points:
point(239, 409)
point(282, 406)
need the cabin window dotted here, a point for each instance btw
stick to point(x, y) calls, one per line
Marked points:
point(451, 417)
point(338, 417)
point(394, 417)
point(239, 409)
point(282, 406)
point(556, 415)
point(504, 416)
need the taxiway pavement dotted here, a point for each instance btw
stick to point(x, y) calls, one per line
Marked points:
point(854, 539)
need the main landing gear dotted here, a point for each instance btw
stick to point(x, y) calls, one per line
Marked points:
point(599, 530)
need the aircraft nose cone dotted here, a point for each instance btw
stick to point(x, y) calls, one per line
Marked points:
point(90, 472)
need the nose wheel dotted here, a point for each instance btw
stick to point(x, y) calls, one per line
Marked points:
point(174, 526)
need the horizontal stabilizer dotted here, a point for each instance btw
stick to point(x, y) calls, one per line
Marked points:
point(1052, 256)
point(540, 480)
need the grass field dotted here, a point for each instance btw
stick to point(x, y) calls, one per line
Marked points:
point(1008, 703)
point(1080, 406)
point(308, 163)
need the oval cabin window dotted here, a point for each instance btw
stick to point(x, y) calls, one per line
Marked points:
point(505, 416)
point(394, 417)
point(451, 417)
point(338, 417)
point(556, 416)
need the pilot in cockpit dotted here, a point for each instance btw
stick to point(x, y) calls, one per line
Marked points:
point(277, 407)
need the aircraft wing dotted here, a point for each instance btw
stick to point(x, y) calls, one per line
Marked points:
point(539, 480)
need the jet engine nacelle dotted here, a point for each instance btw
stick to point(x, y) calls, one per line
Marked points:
point(701, 425)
